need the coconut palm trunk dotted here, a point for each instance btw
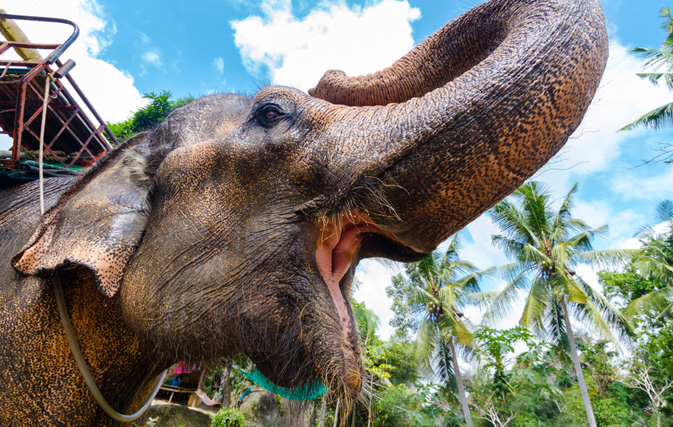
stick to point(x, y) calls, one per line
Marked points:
point(226, 390)
point(323, 410)
point(459, 384)
point(578, 368)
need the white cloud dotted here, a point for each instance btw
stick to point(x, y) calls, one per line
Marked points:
point(152, 57)
point(375, 277)
point(297, 52)
point(652, 187)
point(480, 251)
point(622, 224)
point(218, 63)
point(110, 90)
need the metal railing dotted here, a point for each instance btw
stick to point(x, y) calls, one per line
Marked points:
point(72, 137)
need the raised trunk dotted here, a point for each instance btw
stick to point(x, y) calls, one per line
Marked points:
point(459, 383)
point(485, 102)
point(578, 368)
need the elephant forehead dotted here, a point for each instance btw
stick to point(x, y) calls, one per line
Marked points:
point(203, 119)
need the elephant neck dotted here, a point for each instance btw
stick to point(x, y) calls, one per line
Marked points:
point(49, 389)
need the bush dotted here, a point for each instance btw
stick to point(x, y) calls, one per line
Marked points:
point(228, 417)
point(145, 118)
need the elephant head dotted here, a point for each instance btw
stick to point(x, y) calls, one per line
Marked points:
point(236, 225)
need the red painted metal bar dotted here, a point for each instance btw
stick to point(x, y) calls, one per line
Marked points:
point(93, 111)
point(69, 126)
point(33, 45)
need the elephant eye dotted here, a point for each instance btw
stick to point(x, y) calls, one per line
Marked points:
point(269, 114)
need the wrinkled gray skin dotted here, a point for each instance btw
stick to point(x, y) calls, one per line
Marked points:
point(236, 225)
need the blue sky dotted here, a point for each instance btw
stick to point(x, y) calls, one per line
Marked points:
point(195, 47)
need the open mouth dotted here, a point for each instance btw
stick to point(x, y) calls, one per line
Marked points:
point(339, 243)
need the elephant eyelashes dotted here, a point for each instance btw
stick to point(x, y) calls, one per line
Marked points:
point(269, 114)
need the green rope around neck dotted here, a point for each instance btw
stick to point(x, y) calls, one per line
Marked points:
point(309, 391)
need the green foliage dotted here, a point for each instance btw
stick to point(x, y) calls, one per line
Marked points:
point(367, 322)
point(228, 417)
point(609, 411)
point(645, 287)
point(597, 359)
point(391, 361)
point(405, 322)
point(493, 348)
point(398, 406)
point(145, 118)
point(625, 286)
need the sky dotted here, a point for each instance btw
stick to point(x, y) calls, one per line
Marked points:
point(128, 48)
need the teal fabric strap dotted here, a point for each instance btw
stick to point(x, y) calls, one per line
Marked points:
point(309, 391)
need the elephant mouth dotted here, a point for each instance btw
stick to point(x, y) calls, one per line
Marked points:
point(339, 242)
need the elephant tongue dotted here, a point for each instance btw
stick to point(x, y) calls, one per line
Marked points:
point(335, 253)
point(333, 257)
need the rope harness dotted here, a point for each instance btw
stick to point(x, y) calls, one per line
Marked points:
point(81, 364)
point(62, 309)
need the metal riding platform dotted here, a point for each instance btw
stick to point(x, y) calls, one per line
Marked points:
point(74, 138)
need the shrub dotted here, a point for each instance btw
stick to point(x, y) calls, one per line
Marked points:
point(228, 417)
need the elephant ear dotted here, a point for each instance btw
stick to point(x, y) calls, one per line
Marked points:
point(96, 224)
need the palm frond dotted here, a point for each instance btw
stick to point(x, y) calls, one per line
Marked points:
point(514, 269)
point(511, 248)
point(572, 290)
point(654, 58)
point(536, 305)
point(665, 211)
point(605, 258)
point(445, 372)
point(602, 315)
point(655, 77)
point(502, 304)
point(513, 223)
point(481, 299)
point(582, 240)
point(426, 342)
point(658, 118)
point(656, 301)
point(563, 215)
point(452, 327)
point(556, 331)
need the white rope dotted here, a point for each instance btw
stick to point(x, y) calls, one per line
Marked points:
point(63, 311)
point(81, 364)
point(47, 85)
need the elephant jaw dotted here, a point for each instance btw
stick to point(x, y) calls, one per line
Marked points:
point(338, 243)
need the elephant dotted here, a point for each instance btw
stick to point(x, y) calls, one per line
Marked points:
point(236, 225)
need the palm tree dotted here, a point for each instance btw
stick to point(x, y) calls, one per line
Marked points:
point(546, 246)
point(656, 59)
point(655, 262)
point(444, 285)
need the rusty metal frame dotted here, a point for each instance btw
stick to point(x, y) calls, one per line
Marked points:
point(66, 116)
